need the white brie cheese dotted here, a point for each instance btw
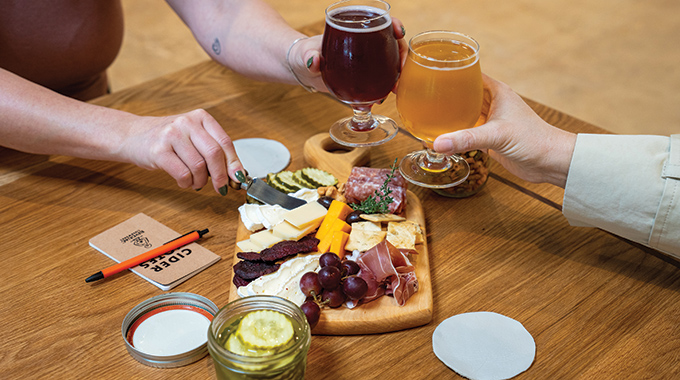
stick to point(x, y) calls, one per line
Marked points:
point(249, 217)
point(270, 215)
point(285, 282)
point(309, 195)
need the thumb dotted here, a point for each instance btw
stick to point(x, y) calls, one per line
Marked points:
point(482, 137)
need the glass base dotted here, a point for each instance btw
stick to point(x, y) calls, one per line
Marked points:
point(451, 172)
point(381, 131)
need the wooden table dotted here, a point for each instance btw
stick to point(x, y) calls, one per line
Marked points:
point(597, 306)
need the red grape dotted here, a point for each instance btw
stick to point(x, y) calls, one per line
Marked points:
point(330, 259)
point(329, 277)
point(312, 312)
point(310, 285)
point(350, 267)
point(334, 298)
point(355, 287)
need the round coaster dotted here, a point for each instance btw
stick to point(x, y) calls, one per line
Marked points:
point(484, 346)
point(262, 156)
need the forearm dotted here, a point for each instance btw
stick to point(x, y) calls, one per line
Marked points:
point(249, 37)
point(37, 120)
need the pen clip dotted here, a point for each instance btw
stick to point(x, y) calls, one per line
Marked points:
point(200, 234)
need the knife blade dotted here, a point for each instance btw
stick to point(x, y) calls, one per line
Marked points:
point(261, 191)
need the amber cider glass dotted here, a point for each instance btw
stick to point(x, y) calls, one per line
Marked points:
point(440, 91)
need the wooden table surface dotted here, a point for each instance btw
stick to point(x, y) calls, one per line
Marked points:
point(597, 306)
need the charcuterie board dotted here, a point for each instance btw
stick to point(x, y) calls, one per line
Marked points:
point(382, 314)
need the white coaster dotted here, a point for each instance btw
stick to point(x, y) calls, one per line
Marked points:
point(484, 346)
point(262, 156)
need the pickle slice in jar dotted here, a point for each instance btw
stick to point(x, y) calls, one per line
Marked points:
point(235, 345)
point(265, 329)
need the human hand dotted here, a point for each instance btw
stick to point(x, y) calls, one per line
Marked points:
point(516, 137)
point(190, 147)
point(305, 57)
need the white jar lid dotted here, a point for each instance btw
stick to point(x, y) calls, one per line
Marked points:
point(169, 330)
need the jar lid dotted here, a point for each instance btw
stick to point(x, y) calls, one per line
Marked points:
point(169, 330)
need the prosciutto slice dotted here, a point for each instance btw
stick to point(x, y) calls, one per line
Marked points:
point(387, 270)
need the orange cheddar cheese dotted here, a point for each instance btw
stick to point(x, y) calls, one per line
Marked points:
point(338, 243)
point(337, 210)
point(337, 225)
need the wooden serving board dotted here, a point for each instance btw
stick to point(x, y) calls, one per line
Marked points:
point(382, 314)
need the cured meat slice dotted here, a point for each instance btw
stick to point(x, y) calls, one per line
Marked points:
point(387, 271)
point(249, 256)
point(250, 270)
point(364, 181)
point(240, 281)
point(288, 248)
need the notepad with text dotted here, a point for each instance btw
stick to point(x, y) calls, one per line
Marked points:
point(142, 233)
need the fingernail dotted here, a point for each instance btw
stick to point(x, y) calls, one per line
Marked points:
point(240, 177)
point(403, 31)
point(310, 61)
point(223, 190)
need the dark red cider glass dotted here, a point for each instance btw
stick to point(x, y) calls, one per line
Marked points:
point(360, 65)
point(360, 60)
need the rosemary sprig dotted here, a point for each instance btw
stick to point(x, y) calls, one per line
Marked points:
point(379, 201)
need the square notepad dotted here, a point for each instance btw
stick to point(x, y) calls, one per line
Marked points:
point(142, 233)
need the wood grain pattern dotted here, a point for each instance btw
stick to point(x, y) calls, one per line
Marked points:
point(596, 305)
point(320, 151)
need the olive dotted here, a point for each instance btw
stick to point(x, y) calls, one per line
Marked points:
point(354, 217)
point(325, 201)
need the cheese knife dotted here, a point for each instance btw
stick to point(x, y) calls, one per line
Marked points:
point(261, 191)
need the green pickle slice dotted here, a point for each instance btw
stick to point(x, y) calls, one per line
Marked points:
point(265, 329)
point(235, 345)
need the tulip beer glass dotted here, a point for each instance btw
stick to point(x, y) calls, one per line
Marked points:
point(360, 66)
point(440, 91)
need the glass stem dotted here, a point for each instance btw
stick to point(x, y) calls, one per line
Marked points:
point(435, 162)
point(363, 119)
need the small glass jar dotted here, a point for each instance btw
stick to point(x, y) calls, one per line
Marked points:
point(479, 174)
point(289, 363)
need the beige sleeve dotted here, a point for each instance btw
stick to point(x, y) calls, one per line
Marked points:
point(628, 185)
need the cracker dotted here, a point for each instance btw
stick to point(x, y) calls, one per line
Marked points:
point(363, 240)
point(382, 217)
point(366, 226)
point(402, 235)
point(419, 232)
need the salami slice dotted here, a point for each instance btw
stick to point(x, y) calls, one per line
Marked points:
point(363, 182)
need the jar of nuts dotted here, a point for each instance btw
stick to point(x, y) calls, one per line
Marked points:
point(479, 174)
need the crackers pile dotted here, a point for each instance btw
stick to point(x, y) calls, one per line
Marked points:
point(401, 233)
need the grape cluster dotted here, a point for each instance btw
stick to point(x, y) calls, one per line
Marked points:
point(335, 282)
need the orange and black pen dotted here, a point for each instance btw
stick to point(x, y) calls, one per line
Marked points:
point(165, 248)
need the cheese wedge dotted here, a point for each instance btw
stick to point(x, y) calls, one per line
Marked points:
point(337, 210)
point(287, 231)
point(265, 238)
point(337, 225)
point(338, 243)
point(308, 214)
point(248, 246)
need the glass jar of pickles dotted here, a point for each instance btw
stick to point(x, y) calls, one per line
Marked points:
point(259, 337)
point(479, 174)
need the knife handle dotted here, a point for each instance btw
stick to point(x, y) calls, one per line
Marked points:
point(244, 179)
